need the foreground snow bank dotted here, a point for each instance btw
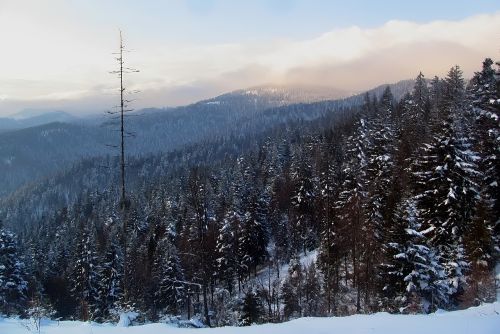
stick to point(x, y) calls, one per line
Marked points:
point(476, 320)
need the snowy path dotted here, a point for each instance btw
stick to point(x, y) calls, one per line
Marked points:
point(305, 260)
point(478, 320)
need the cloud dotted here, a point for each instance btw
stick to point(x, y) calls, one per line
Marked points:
point(70, 67)
point(390, 65)
point(351, 58)
point(395, 50)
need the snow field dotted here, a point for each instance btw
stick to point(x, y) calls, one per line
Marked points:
point(483, 319)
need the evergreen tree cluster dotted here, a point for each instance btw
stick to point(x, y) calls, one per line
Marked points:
point(397, 198)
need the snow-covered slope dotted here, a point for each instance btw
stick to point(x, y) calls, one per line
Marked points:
point(476, 320)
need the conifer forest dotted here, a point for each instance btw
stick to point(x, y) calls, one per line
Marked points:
point(395, 199)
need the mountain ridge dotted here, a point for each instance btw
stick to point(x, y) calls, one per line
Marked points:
point(30, 153)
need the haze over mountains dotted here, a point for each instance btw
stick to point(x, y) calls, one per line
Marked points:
point(45, 143)
point(30, 119)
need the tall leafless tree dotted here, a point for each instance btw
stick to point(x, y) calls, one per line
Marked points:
point(120, 114)
point(123, 109)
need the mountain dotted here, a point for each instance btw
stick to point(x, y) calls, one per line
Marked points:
point(275, 96)
point(309, 209)
point(7, 124)
point(32, 153)
point(31, 118)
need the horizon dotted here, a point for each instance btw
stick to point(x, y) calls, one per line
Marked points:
point(35, 112)
point(189, 51)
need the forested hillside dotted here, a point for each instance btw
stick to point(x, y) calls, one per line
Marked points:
point(35, 153)
point(398, 197)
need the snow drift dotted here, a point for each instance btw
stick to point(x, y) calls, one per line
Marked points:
point(476, 320)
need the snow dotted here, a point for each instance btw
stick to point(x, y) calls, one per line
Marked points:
point(126, 318)
point(476, 320)
point(305, 260)
point(400, 256)
point(414, 233)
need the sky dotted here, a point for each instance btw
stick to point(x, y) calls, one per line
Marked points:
point(57, 55)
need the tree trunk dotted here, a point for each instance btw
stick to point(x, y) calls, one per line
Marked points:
point(205, 305)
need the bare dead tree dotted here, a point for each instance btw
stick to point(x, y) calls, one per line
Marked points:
point(123, 109)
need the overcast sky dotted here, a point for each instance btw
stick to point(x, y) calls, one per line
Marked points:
point(56, 54)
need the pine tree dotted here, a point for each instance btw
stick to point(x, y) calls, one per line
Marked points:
point(111, 282)
point(417, 113)
point(479, 250)
point(484, 94)
point(445, 173)
point(414, 278)
point(252, 243)
point(332, 246)
point(171, 291)
point(85, 276)
point(351, 202)
point(202, 229)
point(292, 289)
point(13, 284)
point(482, 234)
point(303, 200)
point(311, 292)
point(454, 91)
point(227, 248)
point(420, 97)
point(246, 242)
point(251, 310)
point(380, 164)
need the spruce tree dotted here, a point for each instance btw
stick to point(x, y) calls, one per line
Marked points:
point(484, 97)
point(227, 247)
point(13, 284)
point(292, 289)
point(445, 172)
point(414, 278)
point(111, 282)
point(352, 199)
point(251, 310)
point(332, 246)
point(171, 292)
point(479, 244)
point(85, 276)
point(380, 164)
point(311, 292)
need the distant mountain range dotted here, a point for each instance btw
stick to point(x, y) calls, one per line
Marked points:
point(39, 145)
point(263, 96)
point(31, 118)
